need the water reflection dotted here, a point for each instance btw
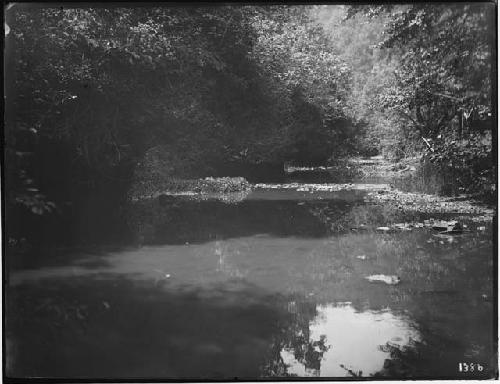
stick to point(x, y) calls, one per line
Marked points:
point(184, 221)
point(280, 213)
point(345, 342)
point(243, 290)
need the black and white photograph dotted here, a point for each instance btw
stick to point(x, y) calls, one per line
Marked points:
point(249, 191)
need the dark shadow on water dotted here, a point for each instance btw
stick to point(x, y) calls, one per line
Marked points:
point(182, 221)
point(302, 215)
point(46, 256)
point(195, 222)
point(112, 326)
point(95, 328)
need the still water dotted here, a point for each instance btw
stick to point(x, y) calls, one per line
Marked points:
point(271, 284)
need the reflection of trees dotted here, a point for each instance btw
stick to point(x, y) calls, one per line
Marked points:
point(178, 220)
point(402, 360)
point(306, 351)
point(295, 338)
point(314, 353)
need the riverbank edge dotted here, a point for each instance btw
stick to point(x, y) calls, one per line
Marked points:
point(222, 188)
point(432, 204)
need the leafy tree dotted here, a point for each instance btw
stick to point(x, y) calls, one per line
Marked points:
point(92, 90)
point(444, 84)
point(422, 72)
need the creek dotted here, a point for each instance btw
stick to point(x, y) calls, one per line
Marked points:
point(271, 283)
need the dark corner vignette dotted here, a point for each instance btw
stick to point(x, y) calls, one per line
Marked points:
point(249, 191)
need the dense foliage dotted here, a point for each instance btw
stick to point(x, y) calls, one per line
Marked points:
point(91, 91)
point(423, 83)
point(97, 97)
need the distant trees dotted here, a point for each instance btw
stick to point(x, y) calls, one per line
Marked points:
point(445, 66)
point(301, 60)
point(422, 71)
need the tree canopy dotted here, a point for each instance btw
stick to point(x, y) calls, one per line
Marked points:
point(95, 93)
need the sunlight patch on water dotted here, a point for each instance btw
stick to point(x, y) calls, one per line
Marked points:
point(355, 341)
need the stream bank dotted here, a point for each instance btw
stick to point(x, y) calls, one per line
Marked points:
point(376, 176)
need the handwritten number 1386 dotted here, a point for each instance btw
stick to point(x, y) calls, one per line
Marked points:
point(470, 367)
